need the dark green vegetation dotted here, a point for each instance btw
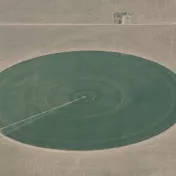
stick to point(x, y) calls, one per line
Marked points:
point(128, 99)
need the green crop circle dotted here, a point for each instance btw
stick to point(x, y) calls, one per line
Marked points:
point(127, 100)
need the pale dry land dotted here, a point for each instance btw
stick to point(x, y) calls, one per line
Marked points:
point(83, 11)
point(153, 157)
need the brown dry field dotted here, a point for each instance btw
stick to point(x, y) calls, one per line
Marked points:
point(85, 11)
point(18, 41)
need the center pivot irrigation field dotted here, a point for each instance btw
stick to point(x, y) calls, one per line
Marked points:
point(86, 100)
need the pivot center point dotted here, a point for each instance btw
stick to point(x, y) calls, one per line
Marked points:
point(88, 95)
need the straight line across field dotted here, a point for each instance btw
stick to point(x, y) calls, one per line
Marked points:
point(83, 24)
